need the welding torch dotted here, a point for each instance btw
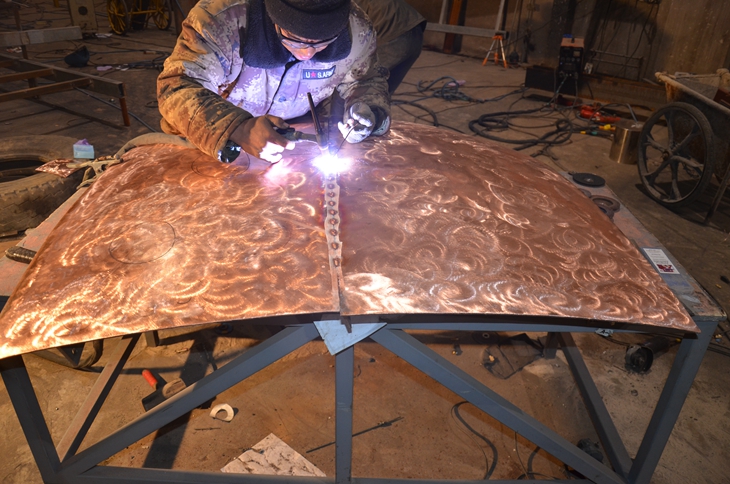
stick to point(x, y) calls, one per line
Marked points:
point(293, 135)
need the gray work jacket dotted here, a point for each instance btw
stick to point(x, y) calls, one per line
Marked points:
point(208, 88)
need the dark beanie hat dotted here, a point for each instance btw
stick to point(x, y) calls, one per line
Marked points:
point(310, 19)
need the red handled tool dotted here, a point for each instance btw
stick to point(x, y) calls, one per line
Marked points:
point(161, 393)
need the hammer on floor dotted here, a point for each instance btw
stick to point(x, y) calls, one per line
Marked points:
point(162, 392)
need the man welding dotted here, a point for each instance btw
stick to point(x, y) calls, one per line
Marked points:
point(241, 67)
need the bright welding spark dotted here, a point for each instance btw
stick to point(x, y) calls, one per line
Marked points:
point(330, 164)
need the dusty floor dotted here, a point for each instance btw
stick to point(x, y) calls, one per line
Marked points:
point(294, 397)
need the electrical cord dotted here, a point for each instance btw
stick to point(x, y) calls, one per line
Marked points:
point(528, 473)
point(430, 112)
point(487, 124)
point(450, 91)
point(117, 107)
point(454, 412)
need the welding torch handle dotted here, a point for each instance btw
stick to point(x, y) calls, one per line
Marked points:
point(288, 133)
point(150, 378)
point(321, 142)
point(293, 135)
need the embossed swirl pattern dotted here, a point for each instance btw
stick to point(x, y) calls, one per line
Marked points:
point(172, 238)
point(448, 224)
point(429, 222)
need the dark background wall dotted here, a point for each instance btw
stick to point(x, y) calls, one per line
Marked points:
point(624, 38)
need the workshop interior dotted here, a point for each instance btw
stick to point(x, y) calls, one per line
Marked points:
point(522, 275)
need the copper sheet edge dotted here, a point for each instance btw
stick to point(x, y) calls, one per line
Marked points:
point(426, 223)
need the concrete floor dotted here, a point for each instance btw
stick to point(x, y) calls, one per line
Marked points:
point(294, 397)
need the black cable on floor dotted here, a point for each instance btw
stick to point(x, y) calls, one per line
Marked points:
point(430, 112)
point(117, 107)
point(487, 124)
point(528, 472)
point(495, 455)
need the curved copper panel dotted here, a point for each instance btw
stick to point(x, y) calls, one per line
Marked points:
point(170, 238)
point(425, 221)
point(441, 223)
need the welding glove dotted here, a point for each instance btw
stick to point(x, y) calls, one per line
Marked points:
point(257, 137)
point(359, 124)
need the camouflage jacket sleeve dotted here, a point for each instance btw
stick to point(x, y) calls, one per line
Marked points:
point(196, 71)
point(367, 80)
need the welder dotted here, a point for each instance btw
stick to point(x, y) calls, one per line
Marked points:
point(240, 68)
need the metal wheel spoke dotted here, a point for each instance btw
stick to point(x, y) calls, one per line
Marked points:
point(683, 144)
point(651, 177)
point(670, 128)
point(689, 162)
point(675, 187)
point(655, 144)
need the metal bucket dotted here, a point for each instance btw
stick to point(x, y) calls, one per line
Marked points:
point(625, 142)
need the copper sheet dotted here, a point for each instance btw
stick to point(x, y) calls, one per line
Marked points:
point(429, 222)
point(439, 223)
point(58, 168)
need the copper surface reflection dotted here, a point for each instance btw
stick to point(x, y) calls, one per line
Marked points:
point(422, 221)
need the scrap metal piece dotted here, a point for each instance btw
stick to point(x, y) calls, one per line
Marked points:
point(59, 167)
point(606, 202)
point(97, 166)
point(20, 254)
point(223, 407)
point(588, 179)
point(426, 224)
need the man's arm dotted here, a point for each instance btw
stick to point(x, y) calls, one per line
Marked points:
point(366, 83)
point(187, 88)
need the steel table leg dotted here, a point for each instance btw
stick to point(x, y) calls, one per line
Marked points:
point(467, 387)
point(237, 370)
point(685, 367)
point(344, 368)
point(24, 400)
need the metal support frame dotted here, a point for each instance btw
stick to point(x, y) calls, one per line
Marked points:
point(62, 80)
point(344, 386)
point(81, 423)
point(443, 371)
point(444, 26)
point(84, 467)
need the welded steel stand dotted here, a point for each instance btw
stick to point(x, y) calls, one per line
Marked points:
point(84, 467)
point(61, 464)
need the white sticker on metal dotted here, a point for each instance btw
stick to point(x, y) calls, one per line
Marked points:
point(660, 261)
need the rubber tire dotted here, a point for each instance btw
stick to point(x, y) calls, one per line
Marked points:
point(29, 201)
point(709, 162)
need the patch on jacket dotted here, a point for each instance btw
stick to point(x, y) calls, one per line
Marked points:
point(318, 73)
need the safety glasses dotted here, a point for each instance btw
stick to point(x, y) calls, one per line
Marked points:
point(299, 44)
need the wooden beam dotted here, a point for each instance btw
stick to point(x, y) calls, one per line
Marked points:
point(101, 85)
point(41, 90)
point(30, 37)
point(19, 76)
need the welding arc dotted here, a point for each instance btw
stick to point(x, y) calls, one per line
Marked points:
point(495, 455)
